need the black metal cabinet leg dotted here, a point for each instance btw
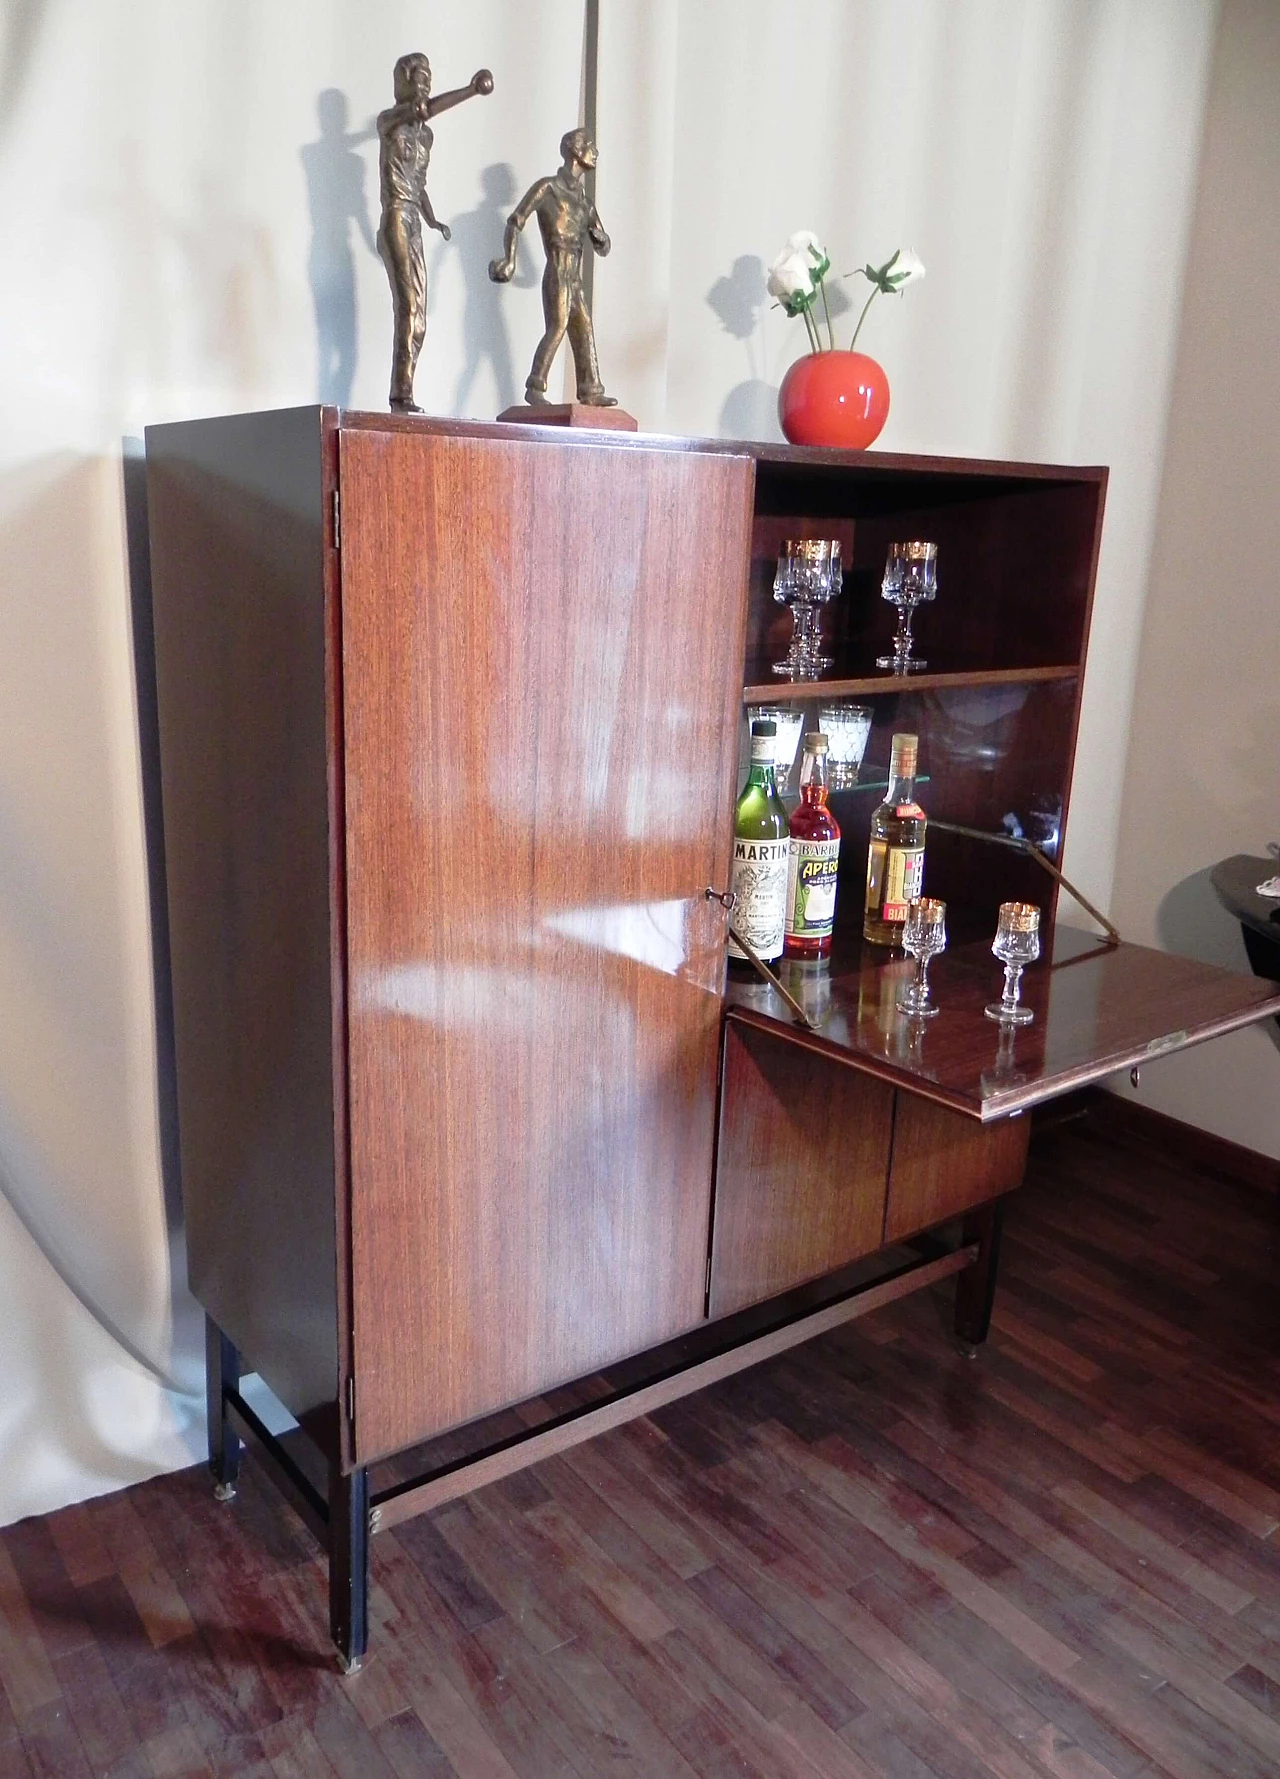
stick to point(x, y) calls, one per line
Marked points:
point(221, 1367)
point(976, 1285)
point(349, 1565)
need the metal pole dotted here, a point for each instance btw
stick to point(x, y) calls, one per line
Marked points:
point(590, 86)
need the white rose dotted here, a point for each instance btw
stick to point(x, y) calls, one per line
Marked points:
point(807, 244)
point(790, 280)
point(906, 269)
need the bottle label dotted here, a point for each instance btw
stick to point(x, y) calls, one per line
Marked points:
point(903, 877)
point(759, 881)
point(763, 748)
point(811, 888)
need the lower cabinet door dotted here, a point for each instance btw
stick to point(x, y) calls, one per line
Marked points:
point(945, 1163)
point(801, 1168)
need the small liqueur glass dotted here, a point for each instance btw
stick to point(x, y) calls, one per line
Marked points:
point(847, 728)
point(1016, 944)
point(809, 574)
point(788, 721)
point(910, 579)
point(924, 935)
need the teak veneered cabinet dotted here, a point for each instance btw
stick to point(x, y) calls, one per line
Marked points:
point(440, 827)
point(541, 671)
point(449, 731)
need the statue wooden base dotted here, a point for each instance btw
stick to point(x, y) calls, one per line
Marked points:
point(571, 414)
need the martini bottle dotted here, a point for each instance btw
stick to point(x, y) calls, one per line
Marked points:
point(760, 842)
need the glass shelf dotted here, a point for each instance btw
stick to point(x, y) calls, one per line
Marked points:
point(854, 790)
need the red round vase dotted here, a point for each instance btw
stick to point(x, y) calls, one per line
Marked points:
point(834, 398)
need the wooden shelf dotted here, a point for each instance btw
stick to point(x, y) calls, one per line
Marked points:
point(1098, 1008)
point(794, 691)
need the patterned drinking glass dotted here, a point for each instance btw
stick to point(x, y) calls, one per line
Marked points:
point(910, 579)
point(847, 728)
point(1016, 944)
point(924, 935)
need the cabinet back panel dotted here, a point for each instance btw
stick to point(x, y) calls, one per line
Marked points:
point(542, 652)
point(1015, 572)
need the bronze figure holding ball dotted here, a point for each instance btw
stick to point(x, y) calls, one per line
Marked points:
point(570, 229)
point(405, 138)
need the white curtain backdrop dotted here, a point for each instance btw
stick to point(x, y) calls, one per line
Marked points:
point(189, 193)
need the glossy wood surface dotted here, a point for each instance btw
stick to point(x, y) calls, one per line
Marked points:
point(944, 1163)
point(1097, 1009)
point(801, 1169)
point(542, 653)
point(850, 477)
point(870, 1556)
point(885, 684)
point(238, 541)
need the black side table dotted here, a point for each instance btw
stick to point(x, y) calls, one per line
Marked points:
point(1236, 880)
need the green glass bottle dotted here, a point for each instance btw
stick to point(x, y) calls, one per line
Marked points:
point(760, 841)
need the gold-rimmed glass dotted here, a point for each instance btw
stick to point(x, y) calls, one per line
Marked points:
point(1016, 944)
point(924, 935)
point(809, 574)
point(910, 579)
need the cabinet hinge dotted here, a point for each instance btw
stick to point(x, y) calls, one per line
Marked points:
point(337, 521)
point(351, 1396)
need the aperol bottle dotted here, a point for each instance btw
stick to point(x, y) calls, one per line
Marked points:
point(813, 858)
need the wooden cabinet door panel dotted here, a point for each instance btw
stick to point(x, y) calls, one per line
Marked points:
point(945, 1163)
point(541, 682)
point(801, 1168)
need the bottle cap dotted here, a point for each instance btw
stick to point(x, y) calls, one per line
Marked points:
point(764, 726)
point(906, 750)
point(815, 744)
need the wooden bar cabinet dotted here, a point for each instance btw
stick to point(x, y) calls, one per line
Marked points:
point(450, 720)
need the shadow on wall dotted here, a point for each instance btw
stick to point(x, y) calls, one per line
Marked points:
point(77, 1156)
point(477, 238)
point(738, 300)
point(335, 176)
point(20, 27)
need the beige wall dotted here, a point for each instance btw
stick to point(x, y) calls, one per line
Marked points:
point(1202, 778)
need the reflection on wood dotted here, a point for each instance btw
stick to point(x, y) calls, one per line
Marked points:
point(541, 680)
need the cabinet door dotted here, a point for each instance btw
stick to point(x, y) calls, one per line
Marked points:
point(945, 1163)
point(801, 1169)
point(541, 656)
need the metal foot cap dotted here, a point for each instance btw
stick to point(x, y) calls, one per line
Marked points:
point(224, 1491)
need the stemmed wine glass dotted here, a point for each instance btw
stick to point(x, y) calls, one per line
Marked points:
point(809, 574)
point(910, 579)
point(924, 935)
point(1016, 944)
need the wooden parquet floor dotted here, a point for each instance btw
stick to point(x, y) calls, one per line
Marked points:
point(1058, 1561)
